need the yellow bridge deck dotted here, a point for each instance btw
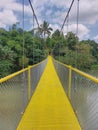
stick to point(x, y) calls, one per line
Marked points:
point(49, 108)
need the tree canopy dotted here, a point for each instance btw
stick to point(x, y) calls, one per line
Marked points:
point(68, 49)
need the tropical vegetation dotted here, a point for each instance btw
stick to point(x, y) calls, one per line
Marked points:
point(35, 45)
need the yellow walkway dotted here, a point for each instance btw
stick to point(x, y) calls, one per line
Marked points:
point(49, 108)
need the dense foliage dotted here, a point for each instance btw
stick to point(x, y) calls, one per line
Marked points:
point(80, 54)
point(11, 50)
point(38, 44)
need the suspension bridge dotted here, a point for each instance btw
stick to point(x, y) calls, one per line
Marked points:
point(49, 95)
point(49, 107)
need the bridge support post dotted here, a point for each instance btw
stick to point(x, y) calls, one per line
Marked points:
point(29, 83)
point(69, 82)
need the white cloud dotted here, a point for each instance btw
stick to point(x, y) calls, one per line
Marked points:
point(7, 17)
point(56, 17)
point(83, 31)
point(2, 25)
point(44, 10)
point(48, 12)
point(96, 37)
point(60, 3)
point(55, 26)
point(10, 12)
point(88, 11)
point(14, 6)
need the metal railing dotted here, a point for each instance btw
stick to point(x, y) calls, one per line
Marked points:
point(15, 93)
point(82, 91)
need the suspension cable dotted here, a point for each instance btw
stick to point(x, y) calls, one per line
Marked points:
point(34, 16)
point(67, 23)
point(67, 14)
point(76, 57)
point(77, 29)
point(77, 18)
point(33, 41)
point(23, 53)
point(34, 12)
point(23, 36)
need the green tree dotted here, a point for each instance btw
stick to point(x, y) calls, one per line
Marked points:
point(3, 36)
point(94, 47)
point(44, 30)
point(56, 35)
point(72, 40)
point(81, 59)
point(7, 58)
point(85, 59)
point(58, 43)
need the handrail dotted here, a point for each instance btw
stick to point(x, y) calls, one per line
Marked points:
point(79, 71)
point(12, 75)
point(19, 72)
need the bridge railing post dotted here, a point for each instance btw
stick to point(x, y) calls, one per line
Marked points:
point(69, 81)
point(29, 82)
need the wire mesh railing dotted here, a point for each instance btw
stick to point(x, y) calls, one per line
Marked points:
point(63, 78)
point(82, 90)
point(35, 73)
point(15, 92)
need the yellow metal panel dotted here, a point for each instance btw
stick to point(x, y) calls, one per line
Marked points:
point(49, 108)
point(29, 83)
point(69, 82)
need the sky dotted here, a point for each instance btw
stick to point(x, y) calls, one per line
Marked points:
point(54, 12)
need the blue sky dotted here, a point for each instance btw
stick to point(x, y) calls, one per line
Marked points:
point(54, 12)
